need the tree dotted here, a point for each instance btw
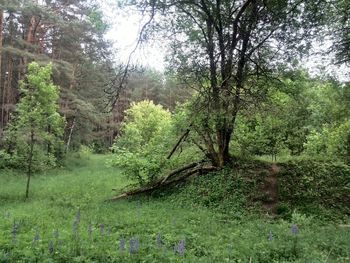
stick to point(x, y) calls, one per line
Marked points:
point(70, 35)
point(37, 122)
point(339, 30)
point(141, 149)
point(226, 50)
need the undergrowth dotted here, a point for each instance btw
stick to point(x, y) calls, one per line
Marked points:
point(67, 219)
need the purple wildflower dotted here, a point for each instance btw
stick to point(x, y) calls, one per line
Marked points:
point(180, 248)
point(51, 247)
point(36, 238)
point(56, 234)
point(294, 229)
point(270, 237)
point(77, 217)
point(134, 245)
point(159, 240)
point(90, 230)
point(14, 230)
point(75, 227)
point(102, 229)
point(122, 244)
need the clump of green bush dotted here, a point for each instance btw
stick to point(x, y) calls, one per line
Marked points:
point(312, 186)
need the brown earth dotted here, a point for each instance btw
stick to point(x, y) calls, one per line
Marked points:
point(270, 190)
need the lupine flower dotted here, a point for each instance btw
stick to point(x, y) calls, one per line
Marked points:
point(180, 248)
point(90, 230)
point(108, 231)
point(14, 230)
point(270, 237)
point(102, 229)
point(159, 240)
point(56, 234)
point(51, 247)
point(75, 227)
point(294, 229)
point(122, 244)
point(134, 245)
point(36, 238)
point(77, 217)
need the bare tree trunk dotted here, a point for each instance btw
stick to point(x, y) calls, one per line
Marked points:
point(1, 37)
point(70, 135)
point(11, 99)
point(2, 88)
point(30, 161)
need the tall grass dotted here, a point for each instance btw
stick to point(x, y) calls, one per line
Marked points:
point(67, 219)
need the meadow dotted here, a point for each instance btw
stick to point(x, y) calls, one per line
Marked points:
point(68, 218)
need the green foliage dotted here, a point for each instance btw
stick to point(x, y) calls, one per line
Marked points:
point(315, 187)
point(333, 142)
point(96, 19)
point(37, 123)
point(143, 146)
point(210, 235)
point(299, 117)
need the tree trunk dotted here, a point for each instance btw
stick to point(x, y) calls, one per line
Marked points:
point(2, 88)
point(222, 155)
point(30, 162)
point(70, 135)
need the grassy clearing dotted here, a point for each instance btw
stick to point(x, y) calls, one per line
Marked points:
point(68, 220)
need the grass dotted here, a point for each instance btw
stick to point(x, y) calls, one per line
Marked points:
point(67, 219)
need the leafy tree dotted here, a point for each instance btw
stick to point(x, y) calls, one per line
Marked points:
point(37, 127)
point(226, 50)
point(339, 30)
point(143, 145)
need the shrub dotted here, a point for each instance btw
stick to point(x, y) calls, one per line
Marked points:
point(144, 143)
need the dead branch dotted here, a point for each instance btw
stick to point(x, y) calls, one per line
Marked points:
point(162, 182)
point(182, 138)
point(177, 171)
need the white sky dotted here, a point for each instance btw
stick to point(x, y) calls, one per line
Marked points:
point(124, 33)
point(125, 29)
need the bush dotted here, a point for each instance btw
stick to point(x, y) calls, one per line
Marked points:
point(315, 186)
point(142, 148)
point(332, 142)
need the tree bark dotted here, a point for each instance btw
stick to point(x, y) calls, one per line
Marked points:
point(2, 88)
point(30, 162)
point(70, 135)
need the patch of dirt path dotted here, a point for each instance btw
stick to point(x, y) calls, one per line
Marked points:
point(270, 191)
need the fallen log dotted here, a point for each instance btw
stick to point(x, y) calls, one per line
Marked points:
point(166, 181)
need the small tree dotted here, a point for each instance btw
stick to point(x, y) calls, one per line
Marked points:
point(144, 144)
point(37, 125)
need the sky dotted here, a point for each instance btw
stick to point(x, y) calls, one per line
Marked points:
point(125, 27)
point(123, 33)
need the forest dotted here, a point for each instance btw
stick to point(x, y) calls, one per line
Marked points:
point(234, 148)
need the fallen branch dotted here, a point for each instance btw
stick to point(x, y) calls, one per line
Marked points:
point(162, 182)
point(183, 137)
point(177, 171)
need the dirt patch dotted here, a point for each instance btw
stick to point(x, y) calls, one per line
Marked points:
point(270, 191)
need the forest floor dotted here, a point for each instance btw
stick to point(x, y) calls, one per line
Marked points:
point(67, 219)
